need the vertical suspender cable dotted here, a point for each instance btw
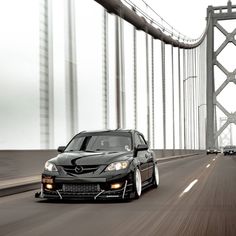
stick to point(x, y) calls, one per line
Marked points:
point(184, 96)
point(135, 77)
point(46, 76)
point(153, 96)
point(122, 73)
point(173, 95)
point(196, 97)
point(118, 74)
point(71, 70)
point(180, 102)
point(148, 90)
point(193, 97)
point(163, 93)
point(105, 72)
point(188, 102)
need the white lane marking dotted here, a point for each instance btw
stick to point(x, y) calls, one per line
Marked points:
point(214, 159)
point(208, 166)
point(188, 188)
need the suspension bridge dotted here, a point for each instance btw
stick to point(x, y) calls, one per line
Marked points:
point(143, 74)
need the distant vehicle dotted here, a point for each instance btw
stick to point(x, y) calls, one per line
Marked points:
point(113, 164)
point(212, 151)
point(229, 150)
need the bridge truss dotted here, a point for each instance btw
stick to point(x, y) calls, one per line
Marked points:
point(215, 15)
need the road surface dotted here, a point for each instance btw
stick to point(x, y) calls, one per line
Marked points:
point(196, 196)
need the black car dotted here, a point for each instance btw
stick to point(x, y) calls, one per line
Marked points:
point(229, 150)
point(212, 151)
point(113, 164)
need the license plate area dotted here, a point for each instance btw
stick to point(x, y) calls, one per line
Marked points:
point(81, 188)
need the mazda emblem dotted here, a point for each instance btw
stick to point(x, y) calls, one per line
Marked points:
point(78, 169)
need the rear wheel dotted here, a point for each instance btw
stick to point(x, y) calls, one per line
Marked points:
point(137, 183)
point(155, 177)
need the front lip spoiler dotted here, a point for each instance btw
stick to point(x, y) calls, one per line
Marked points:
point(103, 194)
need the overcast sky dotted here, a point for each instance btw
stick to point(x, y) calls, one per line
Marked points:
point(187, 16)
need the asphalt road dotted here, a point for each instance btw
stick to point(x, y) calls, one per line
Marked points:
point(196, 196)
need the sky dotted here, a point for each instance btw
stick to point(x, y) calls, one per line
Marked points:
point(187, 16)
point(19, 48)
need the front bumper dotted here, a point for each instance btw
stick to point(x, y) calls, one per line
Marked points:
point(212, 152)
point(88, 188)
point(229, 153)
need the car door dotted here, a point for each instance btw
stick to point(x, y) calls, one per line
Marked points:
point(142, 157)
point(149, 157)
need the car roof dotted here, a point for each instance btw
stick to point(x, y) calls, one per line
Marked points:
point(109, 131)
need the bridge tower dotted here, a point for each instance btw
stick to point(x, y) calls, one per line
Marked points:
point(215, 15)
point(226, 137)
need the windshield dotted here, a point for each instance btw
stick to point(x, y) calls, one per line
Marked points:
point(229, 147)
point(101, 142)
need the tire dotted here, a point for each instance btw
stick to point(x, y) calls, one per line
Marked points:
point(155, 177)
point(137, 184)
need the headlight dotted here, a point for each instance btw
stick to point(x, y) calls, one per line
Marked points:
point(50, 166)
point(117, 166)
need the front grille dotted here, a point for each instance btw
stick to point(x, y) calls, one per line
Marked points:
point(83, 169)
point(81, 188)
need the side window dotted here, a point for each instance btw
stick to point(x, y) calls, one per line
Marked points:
point(139, 139)
point(75, 144)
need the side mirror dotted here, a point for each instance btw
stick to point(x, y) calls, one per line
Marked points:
point(61, 149)
point(140, 147)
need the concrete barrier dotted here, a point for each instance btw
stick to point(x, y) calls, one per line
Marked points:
point(161, 153)
point(23, 163)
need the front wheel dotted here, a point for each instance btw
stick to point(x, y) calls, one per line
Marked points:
point(155, 177)
point(137, 183)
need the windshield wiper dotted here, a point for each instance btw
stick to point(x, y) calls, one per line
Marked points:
point(72, 150)
point(88, 150)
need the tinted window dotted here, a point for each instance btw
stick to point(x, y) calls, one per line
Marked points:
point(139, 139)
point(142, 139)
point(101, 142)
point(75, 144)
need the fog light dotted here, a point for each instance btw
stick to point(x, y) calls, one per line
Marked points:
point(49, 186)
point(116, 186)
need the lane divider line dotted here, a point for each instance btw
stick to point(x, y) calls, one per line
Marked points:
point(208, 166)
point(189, 187)
point(214, 159)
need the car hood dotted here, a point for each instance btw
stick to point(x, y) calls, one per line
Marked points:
point(90, 158)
